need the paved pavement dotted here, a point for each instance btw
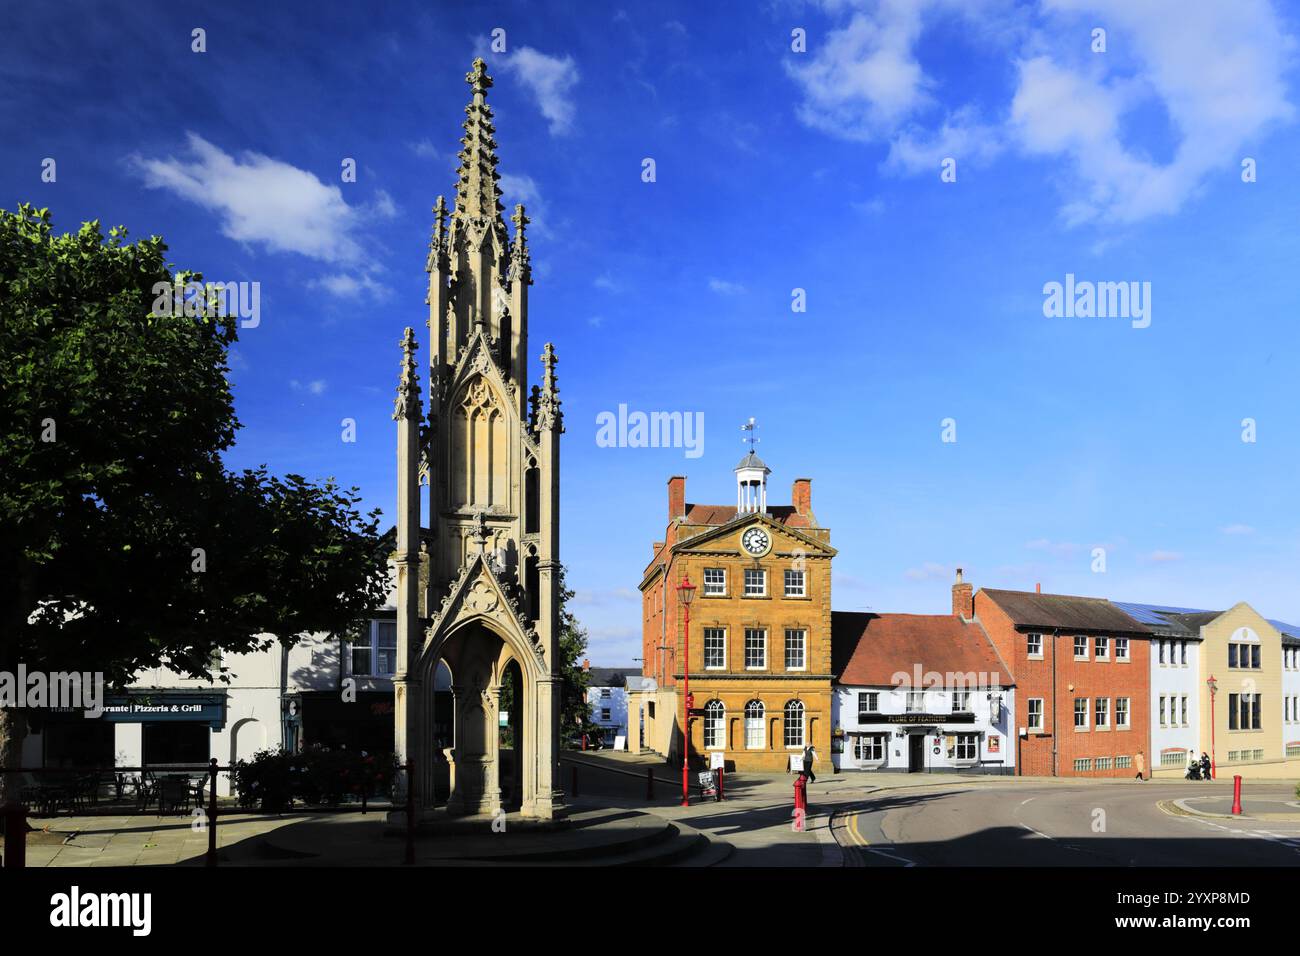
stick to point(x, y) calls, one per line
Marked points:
point(853, 819)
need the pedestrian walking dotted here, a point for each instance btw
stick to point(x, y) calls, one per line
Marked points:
point(1140, 762)
point(809, 755)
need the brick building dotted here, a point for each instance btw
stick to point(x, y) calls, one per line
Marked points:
point(760, 641)
point(1082, 673)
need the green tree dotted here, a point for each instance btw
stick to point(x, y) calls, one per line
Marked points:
point(574, 712)
point(124, 542)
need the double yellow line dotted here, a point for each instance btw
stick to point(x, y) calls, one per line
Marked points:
point(851, 827)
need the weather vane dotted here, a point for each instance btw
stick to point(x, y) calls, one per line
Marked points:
point(752, 437)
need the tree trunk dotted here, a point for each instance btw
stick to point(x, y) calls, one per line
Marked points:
point(13, 729)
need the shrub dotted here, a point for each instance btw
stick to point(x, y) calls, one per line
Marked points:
point(266, 781)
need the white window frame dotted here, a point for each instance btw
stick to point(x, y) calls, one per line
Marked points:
point(1085, 712)
point(1032, 638)
point(762, 632)
point(1101, 713)
point(871, 705)
point(874, 743)
point(791, 589)
point(715, 724)
point(914, 708)
point(715, 588)
point(793, 706)
point(1101, 648)
point(961, 702)
point(971, 743)
point(1031, 724)
point(755, 722)
point(1162, 711)
point(374, 651)
point(1124, 711)
point(1121, 649)
point(1086, 645)
point(711, 635)
point(760, 589)
point(802, 644)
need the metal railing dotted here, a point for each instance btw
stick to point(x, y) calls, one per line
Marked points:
point(16, 811)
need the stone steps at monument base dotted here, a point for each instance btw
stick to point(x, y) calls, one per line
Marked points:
point(588, 837)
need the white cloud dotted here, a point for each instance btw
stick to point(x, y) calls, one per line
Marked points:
point(524, 189)
point(383, 205)
point(723, 287)
point(261, 200)
point(550, 80)
point(607, 283)
point(315, 387)
point(347, 286)
point(864, 80)
point(1216, 70)
point(1164, 557)
point(1238, 529)
point(961, 136)
point(424, 149)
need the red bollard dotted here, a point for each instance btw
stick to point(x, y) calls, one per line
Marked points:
point(574, 789)
point(1236, 793)
point(649, 783)
point(15, 836)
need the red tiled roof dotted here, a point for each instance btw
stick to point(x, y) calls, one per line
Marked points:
point(721, 514)
point(871, 649)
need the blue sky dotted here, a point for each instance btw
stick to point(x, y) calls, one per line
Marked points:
point(775, 170)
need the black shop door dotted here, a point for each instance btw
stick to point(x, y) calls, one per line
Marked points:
point(915, 753)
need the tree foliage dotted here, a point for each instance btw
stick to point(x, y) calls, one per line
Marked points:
point(124, 541)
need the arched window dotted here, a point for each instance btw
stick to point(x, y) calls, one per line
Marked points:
point(754, 730)
point(794, 723)
point(714, 714)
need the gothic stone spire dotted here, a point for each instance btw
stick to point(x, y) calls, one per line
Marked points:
point(546, 399)
point(477, 193)
point(407, 405)
point(438, 243)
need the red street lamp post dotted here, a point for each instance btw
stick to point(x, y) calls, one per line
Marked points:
point(686, 594)
point(1214, 689)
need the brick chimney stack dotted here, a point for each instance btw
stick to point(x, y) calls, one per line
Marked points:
point(1038, 588)
point(676, 497)
point(963, 599)
point(801, 496)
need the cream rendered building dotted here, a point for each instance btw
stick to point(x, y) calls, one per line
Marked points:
point(1246, 727)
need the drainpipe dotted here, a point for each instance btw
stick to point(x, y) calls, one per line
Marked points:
point(1056, 709)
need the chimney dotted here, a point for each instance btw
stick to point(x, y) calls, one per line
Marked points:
point(1038, 588)
point(963, 599)
point(676, 497)
point(801, 496)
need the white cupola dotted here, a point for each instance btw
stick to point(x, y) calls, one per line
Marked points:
point(751, 485)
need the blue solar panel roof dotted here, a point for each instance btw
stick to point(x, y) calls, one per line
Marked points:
point(1290, 630)
point(1153, 613)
